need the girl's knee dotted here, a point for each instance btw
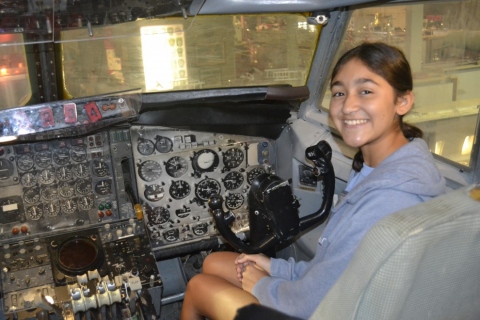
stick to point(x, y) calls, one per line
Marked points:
point(216, 262)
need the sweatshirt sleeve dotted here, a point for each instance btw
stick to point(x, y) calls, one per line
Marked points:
point(288, 269)
point(298, 288)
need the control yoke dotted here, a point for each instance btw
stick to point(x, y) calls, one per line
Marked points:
point(273, 209)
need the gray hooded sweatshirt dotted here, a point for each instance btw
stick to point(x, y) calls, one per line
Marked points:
point(407, 177)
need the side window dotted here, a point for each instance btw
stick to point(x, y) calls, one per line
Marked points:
point(442, 42)
point(15, 87)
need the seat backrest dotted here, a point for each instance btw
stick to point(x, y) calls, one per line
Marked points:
point(419, 263)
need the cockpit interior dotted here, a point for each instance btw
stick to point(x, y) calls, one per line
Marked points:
point(139, 136)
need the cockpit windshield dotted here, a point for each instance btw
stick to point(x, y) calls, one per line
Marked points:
point(171, 54)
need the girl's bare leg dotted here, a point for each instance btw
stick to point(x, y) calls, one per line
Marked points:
point(222, 264)
point(213, 297)
point(216, 293)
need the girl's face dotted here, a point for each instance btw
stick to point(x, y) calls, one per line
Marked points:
point(364, 107)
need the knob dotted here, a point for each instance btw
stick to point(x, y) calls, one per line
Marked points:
point(215, 202)
point(27, 279)
point(129, 230)
point(119, 232)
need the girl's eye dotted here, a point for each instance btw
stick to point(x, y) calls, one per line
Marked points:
point(365, 92)
point(337, 94)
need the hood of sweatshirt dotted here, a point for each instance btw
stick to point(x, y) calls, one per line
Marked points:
point(412, 163)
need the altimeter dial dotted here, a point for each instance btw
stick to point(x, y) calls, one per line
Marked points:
point(25, 162)
point(255, 172)
point(233, 180)
point(158, 215)
point(34, 212)
point(83, 186)
point(100, 168)
point(153, 192)
point(85, 203)
point(145, 147)
point(66, 189)
point(49, 192)
point(233, 157)
point(149, 170)
point(179, 189)
point(51, 209)
point(64, 173)
point(68, 206)
point(176, 167)
point(79, 153)
point(205, 188)
point(28, 179)
point(81, 170)
point(163, 144)
point(61, 157)
point(46, 176)
point(31, 195)
point(43, 159)
point(234, 201)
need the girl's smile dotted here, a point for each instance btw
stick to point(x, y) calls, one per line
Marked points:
point(365, 109)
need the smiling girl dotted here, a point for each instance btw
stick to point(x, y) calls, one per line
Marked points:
point(371, 92)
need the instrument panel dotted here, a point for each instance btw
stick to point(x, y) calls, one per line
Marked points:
point(178, 170)
point(57, 184)
point(68, 227)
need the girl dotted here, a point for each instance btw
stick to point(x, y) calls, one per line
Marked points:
point(371, 92)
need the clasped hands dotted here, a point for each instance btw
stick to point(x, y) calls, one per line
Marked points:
point(251, 268)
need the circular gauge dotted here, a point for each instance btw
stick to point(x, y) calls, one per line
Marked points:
point(171, 235)
point(85, 203)
point(31, 195)
point(234, 201)
point(100, 168)
point(205, 188)
point(46, 176)
point(233, 157)
point(61, 156)
point(176, 167)
point(205, 160)
point(6, 169)
point(233, 180)
point(145, 147)
point(163, 144)
point(68, 206)
point(179, 189)
point(66, 189)
point(51, 209)
point(34, 212)
point(64, 173)
point(49, 193)
point(28, 179)
point(83, 186)
point(149, 170)
point(158, 215)
point(153, 192)
point(254, 173)
point(200, 229)
point(103, 187)
point(25, 162)
point(78, 153)
point(43, 159)
point(81, 170)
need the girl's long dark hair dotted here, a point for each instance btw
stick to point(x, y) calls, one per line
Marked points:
point(391, 64)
